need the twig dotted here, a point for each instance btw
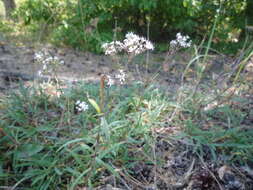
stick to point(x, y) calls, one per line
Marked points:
point(204, 164)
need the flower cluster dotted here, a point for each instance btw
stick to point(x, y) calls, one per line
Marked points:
point(46, 60)
point(113, 47)
point(81, 106)
point(181, 41)
point(120, 77)
point(43, 70)
point(135, 44)
point(132, 44)
point(110, 80)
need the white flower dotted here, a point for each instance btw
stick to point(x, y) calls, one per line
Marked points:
point(173, 43)
point(121, 76)
point(181, 41)
point(81, 106)
point(44, 67)
point(38, 56)
point(40, 73)
point(45, 58)
point(132, 44)
point(113, 47)
point(110, 81)
point(149, 45)
point(55, 58)
point(135, 44)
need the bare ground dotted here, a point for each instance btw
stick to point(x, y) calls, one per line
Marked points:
point(18, 61)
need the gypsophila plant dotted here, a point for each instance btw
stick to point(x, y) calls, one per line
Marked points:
point(181, 41)
point(113, 48)
point(81, 106)
point(132, 44)
point(49, 63)
point(45, 58)
point(110, 80)
point(121, 76)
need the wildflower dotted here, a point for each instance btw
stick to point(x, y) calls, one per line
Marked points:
point(113, 47)
point(121, 76)
point(132, 44)
point(49, 62)
point(181, 41)
point(38, 56)
point(55, 58)
point(45, 58)
point(62, 62)
point(135, 44)
point(81, 106)
point(44, 67)
point(110, 81)
point(40, 73)
point(43, 70)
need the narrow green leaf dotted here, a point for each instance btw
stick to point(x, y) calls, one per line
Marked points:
point(95, 105)
point(107, 166)
point(68, 143)
point(28, 150)
point(78, 179)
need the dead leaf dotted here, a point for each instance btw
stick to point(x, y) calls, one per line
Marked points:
point(222, 171)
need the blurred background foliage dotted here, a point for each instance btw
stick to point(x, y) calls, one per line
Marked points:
point(85, 24)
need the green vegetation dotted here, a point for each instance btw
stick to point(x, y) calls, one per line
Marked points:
point(86, 24)
point(47, 152)
point(48, 144)
point(1, 10)
point(130, 134)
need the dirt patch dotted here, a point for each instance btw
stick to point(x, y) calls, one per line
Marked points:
point(19, 62)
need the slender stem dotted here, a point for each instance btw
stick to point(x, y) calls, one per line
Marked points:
point(147, 55)
point(102, 94)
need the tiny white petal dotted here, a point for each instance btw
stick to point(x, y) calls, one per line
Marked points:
point(81, 106)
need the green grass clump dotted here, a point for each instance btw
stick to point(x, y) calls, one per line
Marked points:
point(221, 132)
point(47, 144)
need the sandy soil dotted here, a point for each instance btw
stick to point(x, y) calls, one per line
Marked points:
point(83, 65)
